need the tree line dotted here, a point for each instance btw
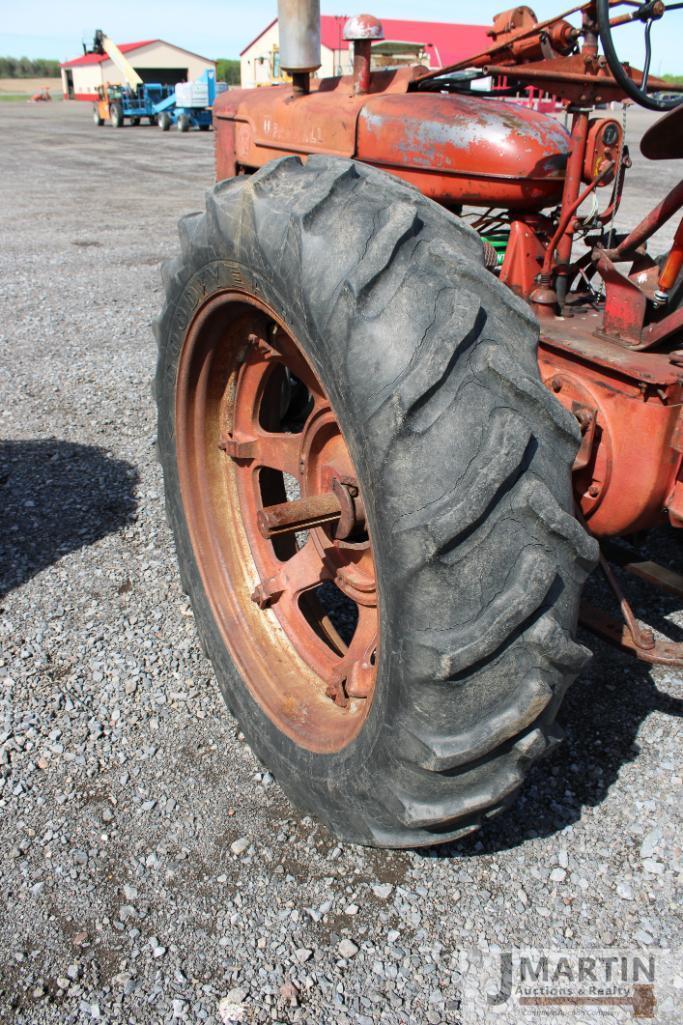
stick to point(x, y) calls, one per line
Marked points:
point(228, 71)
point(22, 67)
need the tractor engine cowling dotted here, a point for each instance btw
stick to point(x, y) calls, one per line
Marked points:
point(456, 149)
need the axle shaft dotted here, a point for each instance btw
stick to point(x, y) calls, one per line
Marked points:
point(301, 514)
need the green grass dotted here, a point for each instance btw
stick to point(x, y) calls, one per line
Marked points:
point(21, 97)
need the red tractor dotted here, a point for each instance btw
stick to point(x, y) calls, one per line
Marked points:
point(410, 384)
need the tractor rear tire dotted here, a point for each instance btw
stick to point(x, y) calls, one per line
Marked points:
point(463, 460)
point(116, 115)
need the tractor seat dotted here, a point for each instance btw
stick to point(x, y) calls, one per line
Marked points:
point(664, 140)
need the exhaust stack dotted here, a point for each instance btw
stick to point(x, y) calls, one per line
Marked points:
point(299, 24)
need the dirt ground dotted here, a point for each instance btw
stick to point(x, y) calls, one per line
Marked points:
point(151, 869)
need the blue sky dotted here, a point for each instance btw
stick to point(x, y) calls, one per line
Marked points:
point(221, 28)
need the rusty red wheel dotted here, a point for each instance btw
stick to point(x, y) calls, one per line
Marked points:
point(276, 518)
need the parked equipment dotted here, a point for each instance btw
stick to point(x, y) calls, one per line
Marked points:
point(386, 492)
point(133, 101)
point(191, 104)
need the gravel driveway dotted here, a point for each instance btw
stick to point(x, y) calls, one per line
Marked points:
point(151, 869)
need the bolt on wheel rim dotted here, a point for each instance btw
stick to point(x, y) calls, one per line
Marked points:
point(276, 521)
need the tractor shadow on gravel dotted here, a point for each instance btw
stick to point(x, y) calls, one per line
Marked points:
point(601, 716)
point(56, 497)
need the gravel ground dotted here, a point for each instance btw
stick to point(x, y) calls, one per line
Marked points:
point(152, 870)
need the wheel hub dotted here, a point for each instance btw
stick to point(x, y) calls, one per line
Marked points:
point(326, 466)
point(279, 521)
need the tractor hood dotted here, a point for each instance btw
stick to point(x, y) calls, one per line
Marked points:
point(456, 149)
point(485, 151)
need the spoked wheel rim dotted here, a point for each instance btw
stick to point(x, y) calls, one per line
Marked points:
point(276, 520)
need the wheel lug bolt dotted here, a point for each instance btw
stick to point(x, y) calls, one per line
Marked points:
point(260, 598)
point(267, 592)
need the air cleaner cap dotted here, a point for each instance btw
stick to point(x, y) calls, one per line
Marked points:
point(363, 26)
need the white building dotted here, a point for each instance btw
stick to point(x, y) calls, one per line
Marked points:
point(154, 60)
point(438, 43)
point(260, 60)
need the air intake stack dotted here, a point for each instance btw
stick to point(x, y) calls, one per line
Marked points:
point(299, 24)
point(361, 30)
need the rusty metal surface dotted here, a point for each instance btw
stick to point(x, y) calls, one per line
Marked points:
point(462, 149)
point(315, 685)
point(362, 63)
point(254, 126)
point(668, 328)
point(625, 481)
point(456, 149)
point(269, 122)
point(653, 220)
point(539, 53)
point(625, 304)
point(579, 335)
point(573, 78)
point(603, 145)
point(299, 514)
point(516, 35)
point(616, 632)
point(550, 294)
point(363, 26)
point(642, 636)
point(523, 259)
point(635, 313)
point(340, 508)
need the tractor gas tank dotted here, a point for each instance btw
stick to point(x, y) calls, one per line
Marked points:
point(466, 149)
point(456, 149)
